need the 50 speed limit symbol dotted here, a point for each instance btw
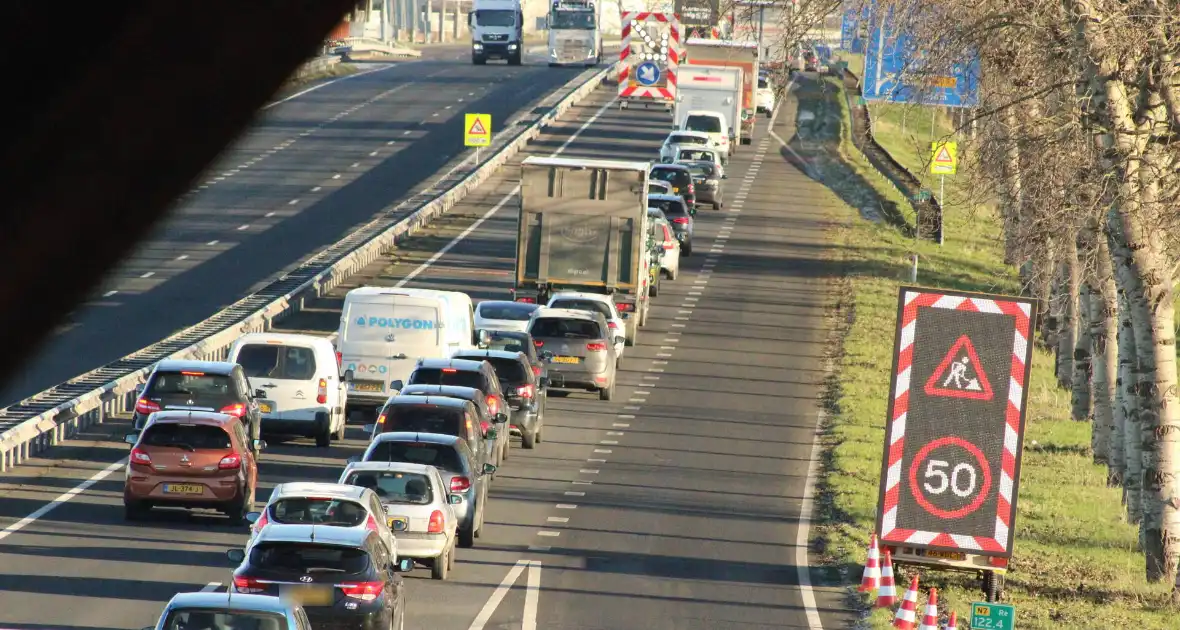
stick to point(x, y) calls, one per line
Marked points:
point(934, 480)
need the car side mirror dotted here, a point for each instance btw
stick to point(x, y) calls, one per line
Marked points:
point(483, 338)
point(236, 555)
point(259, 444)
point(501, 418)
point(620, 339)
point(348, 376)
point(455, 499)
point(405, 565)
point(491, 434)
point(397, 385)
point(489, 469)
point(369, 428)
point(260, 393)
point(252, 517)
point(131, 438)
point(547, 355)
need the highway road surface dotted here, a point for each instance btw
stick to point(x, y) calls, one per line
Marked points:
point(676, 506)
point(313, 168)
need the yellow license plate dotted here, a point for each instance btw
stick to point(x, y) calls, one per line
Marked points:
point(567, 359)
point(369, 387)
point(266, 407)
point(184, 488)
point(946, 555)
point(675, 190)
point(312, 595)
point(399, 523)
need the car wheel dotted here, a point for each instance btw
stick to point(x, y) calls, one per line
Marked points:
point(607, 393)
point(467, 537)
point(135, 510)
point(324, 438)
point(528, 440)
point(442, 564)
point(716, 205)
point(237, 509)
point(673, 274)
point(343, 427)
point(687, 248)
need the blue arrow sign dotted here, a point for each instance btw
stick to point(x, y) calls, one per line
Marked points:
point(647, 74)
point(894, 73)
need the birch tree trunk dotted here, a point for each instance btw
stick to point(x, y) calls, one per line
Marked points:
point(1012, 193)
point(1067, 326)
point(1108, 420)
point(1128, 405)
point(1080, 400)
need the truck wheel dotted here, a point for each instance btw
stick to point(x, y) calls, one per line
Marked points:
point(514, 60)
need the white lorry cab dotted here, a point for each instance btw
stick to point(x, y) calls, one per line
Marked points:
point(384, 331)
point(496, 31)
point(575, 35)
point(305, 391)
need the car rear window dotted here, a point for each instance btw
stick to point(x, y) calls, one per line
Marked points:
point(510, 311)
point(566, 328)
point(698, 156)
point(686, 139)
point(763, 84)
point(707, 124)
point(318, 511)
point(195, 436)
point(509, 371)
point(442, 456)
point(592, 306)
point(199, 619)
point(669, 208)
point(395, 487)
point(507, 345)
point(423, 419)
point(448, 376)
point(306, 558)
point(673, 176)
point(266, 360)
point(190, 384)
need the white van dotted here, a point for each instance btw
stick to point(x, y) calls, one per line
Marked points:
point(712, 123)
point(305, 393)
point(384, 331)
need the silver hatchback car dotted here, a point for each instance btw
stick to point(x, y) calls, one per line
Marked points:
point(582, 349)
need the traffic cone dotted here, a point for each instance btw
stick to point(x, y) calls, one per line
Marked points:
point(952, 623)
point(930, 617)
point(887, 592)
point(908, 611)
point(872, 574)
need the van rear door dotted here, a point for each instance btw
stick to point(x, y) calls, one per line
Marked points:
point(289, 375)
point(384, 336)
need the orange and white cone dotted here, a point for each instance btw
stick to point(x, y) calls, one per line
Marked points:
point(887, 592)
point(930, 617)
point(907, 613)
point(952, 623)
point(872, 574)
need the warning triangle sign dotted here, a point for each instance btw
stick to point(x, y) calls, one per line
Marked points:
point(477, 129)
point(960, 374)
point(944, 156)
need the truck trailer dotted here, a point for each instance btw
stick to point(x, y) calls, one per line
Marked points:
point(731, 54)
point(711, 88)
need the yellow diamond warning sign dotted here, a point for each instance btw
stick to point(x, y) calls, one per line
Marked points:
point(477, 130)
point(944, 158)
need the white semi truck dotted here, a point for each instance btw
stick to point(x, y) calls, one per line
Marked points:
point(575, 33)
point(496, 31)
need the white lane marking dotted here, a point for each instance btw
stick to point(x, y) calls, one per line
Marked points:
point(577, 482)
point(681, 318)
point(574, 493)
point(292, 202)
point(406, 132)
point(496, 208)
point(595, 461)
point(317, 189)
point(655, 369)
point(243, 227)
point(668, 347)
point(497, 596)
point(566, 506)
point(649, 377)
point(548, 533)
point(678, 325)
point(109, 293)
point(210, 587)
point(632, 408)
point(663, 354)
point(355, 164)
point(65, 497)
point(621, 425)
point(608, 442)
point(268, 215)
point(614, 433)
point(605, 451)
point(212, 242)
point(803, 533)
point(373, 154)
point(558, 519)
point(147, 274)
point(659, 363)
point(182, 257)
point(531, 595)
point(625, 416)
point(588, 471)
point(336, 176)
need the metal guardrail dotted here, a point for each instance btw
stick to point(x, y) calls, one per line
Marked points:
point(46, 419)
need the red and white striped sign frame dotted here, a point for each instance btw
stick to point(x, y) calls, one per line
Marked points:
point(911, 299)
point(627, 89)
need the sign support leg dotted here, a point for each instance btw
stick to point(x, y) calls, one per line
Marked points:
point(941, 212)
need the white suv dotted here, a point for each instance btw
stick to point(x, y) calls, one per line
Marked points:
point(594, 303)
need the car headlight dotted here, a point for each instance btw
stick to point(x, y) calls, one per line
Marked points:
point(477, 46)
point(511, 46)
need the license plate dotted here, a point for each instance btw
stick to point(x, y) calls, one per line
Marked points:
point(567, 359)
point(266, 407)
point(311, 595)
point(369, 387)
point(675, 190)
point(399, 523)
point(184, 488)
point(946, 555)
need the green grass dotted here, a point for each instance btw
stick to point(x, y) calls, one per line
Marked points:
point(1075, 563)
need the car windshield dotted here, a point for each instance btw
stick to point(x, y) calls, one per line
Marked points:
point(512, 311)
point(565, 328)
point(701, 122)
point(687, 139)
point(446, 376)
point(495, 17)
point(697, 156)
point(573, 304)
point(264, 360)
point(192, 437)
point(395, 487)
point(189, 384)
point(442, 456)
point(669, 208)
point(423, 419)
point(221, 619)
point(318, 511)
point(580, 20)
point(673, 176)
point(306, 558)
point(702, 170)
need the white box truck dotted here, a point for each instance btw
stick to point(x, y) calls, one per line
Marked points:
point(711, 88)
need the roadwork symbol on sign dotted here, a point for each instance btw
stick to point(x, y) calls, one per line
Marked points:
point(944, 158)
point(960, 374)
point(477, 130)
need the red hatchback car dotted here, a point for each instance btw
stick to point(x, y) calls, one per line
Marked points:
point(191, 459)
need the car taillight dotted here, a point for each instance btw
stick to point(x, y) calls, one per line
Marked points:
point(321, 396)
point(436, 519)
point(144, 405)
point(625, 307)
point(525, 391)
point(248, 585)
point(371, 524)
point(460, 484)
point(484, 426)
point(692, 188)
point(449, 370)
point(493, 404)
point(536, 370)
point(680, 220)
point(339, 359)
point(596, 347)
point(140, 456)
point(261, 522)
point(526, 300)
point(236, 409)
point(364, 591)
point(611, 325)
point(668, 246)
point(230, 462)
point(538, 343)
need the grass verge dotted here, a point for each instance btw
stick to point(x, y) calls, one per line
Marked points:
point(331, 72)
point(1075, 563)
